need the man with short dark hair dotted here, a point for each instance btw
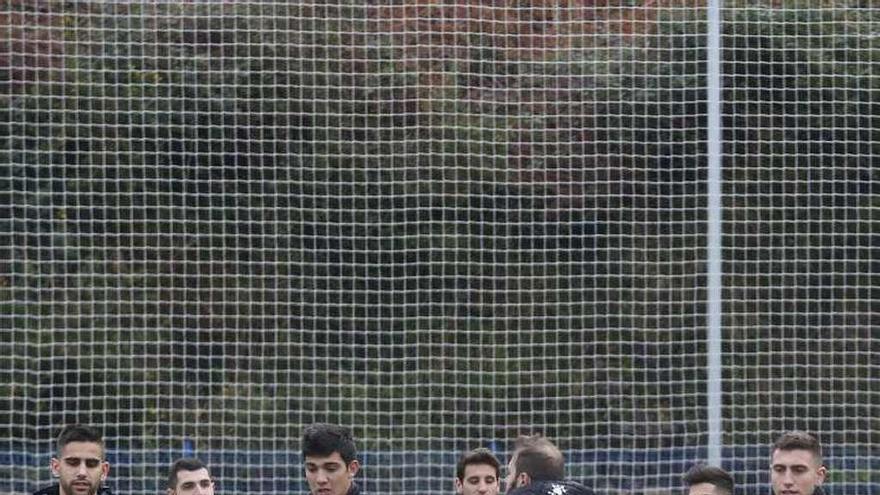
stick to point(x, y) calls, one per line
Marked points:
point(703, 479)
point(478, 472)
point(189, 476)
point(330, 458)
point(796, 466)
point(537, 467)
point(80, 463)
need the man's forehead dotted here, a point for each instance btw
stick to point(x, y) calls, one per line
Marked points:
point(702, 489)
point(198, 474)
point(480, 468)
point(793, 457)
point(334, 458)
point(83, 450)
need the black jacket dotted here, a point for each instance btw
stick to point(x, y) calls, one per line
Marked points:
point(56, 490)
point(563, 487)
point(818, 491)
point(354, 490)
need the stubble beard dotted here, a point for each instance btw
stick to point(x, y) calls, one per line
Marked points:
point(69, 490)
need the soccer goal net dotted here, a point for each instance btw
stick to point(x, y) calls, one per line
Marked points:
point(441, 224)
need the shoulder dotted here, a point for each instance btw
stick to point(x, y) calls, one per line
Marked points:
point(562, 487)
point(575, 488)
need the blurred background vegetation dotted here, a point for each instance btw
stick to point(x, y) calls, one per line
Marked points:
point(441, 223)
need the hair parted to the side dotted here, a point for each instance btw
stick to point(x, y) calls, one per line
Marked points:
point(704, 473)
point(78, 433)
point(539, 458)
point(799, 440)
point(183, 464)
point(477, 456)
point(323, 439)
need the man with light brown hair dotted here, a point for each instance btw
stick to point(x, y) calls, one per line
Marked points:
point(537, 467)
point(796, 466)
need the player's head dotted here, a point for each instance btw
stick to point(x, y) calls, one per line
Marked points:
point(189, 476)
point(79, 462)
point(708, 480)
point(534, 458)
point(477, 473)
point(329, 454)
point(796, 466)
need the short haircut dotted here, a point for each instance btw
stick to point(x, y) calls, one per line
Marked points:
point(799, 440)
point(477, 456)
point(323, 439)
point(184, 464)
point(78, 433)
point(703, 473)
point(539, 458)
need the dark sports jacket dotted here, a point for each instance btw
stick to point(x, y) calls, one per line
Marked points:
point(563, 487)
point(56, 490)
point(818, 491)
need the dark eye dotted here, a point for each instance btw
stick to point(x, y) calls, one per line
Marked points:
point(72, 462)
point(205, 483)
point(92, 463)
point(189, 485)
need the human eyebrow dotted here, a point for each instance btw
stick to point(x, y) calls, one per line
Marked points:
point(189, 485)
point(91, 462)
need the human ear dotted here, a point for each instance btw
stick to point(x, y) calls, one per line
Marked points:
point(822, 472)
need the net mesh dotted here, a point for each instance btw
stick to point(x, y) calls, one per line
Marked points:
point(441, 224)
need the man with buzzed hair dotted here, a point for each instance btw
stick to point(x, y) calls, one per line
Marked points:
point(703, 479)
point(189, 476)
point(796, 466)
point(80, 463)
point(537, 467)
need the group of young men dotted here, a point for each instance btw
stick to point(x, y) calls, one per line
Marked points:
point(536, 467)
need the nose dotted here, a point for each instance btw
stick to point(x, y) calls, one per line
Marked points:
point(787, 478)
point(321, 477)
point(81, 470)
